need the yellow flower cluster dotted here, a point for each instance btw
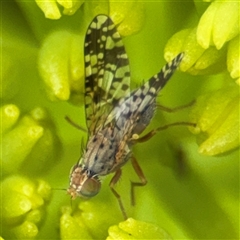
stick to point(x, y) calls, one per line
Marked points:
point(212, 47)
point(213, 44)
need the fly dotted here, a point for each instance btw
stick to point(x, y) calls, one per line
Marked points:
point(115, 116)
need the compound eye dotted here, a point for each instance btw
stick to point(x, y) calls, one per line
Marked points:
point(90, 187)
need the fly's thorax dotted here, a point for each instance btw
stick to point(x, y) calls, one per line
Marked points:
point(99, 155)
point(83, 183)
point(122, 155)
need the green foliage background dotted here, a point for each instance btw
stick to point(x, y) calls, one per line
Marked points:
point(188, 195)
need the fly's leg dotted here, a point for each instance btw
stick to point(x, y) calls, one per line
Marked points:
point(137, 139)
point(75, 124)
point(114, 180)
point(154, 131)
point(143, 180)
point(170, 110)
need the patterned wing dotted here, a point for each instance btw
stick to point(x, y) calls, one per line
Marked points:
point(106, 70)
point(138, 105)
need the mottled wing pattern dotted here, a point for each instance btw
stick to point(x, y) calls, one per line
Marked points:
point(146, 94)
point(106, 70)
point(141, 98)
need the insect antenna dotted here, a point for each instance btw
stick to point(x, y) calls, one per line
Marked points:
point(64, 189)
point(57, 189)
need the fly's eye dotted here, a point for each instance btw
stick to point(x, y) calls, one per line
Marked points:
point(90, 187)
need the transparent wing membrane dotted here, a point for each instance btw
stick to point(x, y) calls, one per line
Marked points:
point(106, 68)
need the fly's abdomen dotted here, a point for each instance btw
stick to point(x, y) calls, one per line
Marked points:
point(106, 150)
point(100, 153)
point(139, 107)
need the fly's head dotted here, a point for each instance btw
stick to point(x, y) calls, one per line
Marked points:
point(83, 183)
